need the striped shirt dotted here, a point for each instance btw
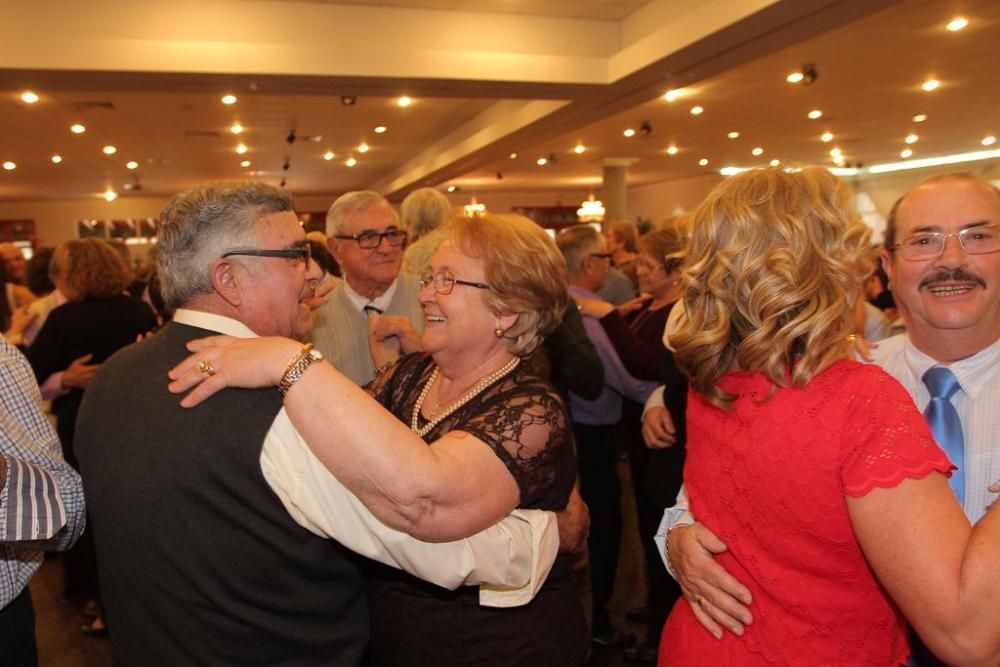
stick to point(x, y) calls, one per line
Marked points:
point(41, 497)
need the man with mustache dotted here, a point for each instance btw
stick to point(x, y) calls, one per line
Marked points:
point(942, 255)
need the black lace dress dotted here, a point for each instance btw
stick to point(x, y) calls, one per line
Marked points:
point(415, 623)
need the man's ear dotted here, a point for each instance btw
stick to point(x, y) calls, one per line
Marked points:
point(886, 258)
point(226, 281)
point(333, 245)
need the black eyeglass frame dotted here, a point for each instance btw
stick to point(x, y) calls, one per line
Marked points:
point(428, 278)
point(387, 235)
point(304, 253)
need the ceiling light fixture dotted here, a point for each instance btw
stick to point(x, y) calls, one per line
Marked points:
point(245, 163)
point(930, 84)
point(629, 132)
point(826, 137)
point(957, 24)
point(911, 138)
point(131, 164)
point(757, 151)
point(733, 135)
point(236, 128)
point(795, 77)
point(919, 118)
point(905, 153)
point(77, 129)
point(672, 150)
point(579, 149)
point(348, 100)
point(814, 114)
point(381, 129)
point(241, 149)
point(10, 166)
point(835, 151)
point(697, 111)
point(703, 162)
point(452, 188)
point(591, 210)
point(806, 75)
point(229, 99)
point(350, 162)
point(56, 159)
point(474, 208)
point(363, 147)
point(29, 97)
point(988, 140)
point(934, 161)
point(673, 94)
point(329, 155)
point(841, 171)
point(404, 102)
point(775, 163)
point(542, 161)
point(110, 195)
point(513, 156)
point(109, 150)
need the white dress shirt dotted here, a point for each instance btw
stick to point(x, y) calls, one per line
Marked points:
point(509, 561)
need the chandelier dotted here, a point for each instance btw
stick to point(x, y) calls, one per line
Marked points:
point(591, 210)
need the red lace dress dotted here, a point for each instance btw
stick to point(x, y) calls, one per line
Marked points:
point(770, 477)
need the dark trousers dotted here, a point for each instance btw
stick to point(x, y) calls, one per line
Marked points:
point(17, 633)
point(920, 655)
point(597, 457)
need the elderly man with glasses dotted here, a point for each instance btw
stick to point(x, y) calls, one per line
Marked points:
point(366, 239)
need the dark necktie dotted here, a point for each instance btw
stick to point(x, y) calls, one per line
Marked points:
point(371, 309)
point(945, 424)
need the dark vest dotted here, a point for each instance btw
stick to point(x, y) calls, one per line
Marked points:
point(199, 562)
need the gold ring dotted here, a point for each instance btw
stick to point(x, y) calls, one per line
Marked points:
point(205, 366)
point(700, 600)
point(851, 338)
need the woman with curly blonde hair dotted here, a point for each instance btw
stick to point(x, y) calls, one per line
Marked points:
point(817, 472)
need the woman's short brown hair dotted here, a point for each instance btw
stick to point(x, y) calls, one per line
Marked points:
point(771, 277)
point(525, 271)
point(89, 268)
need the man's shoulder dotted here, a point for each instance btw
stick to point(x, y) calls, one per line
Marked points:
point(889, 351)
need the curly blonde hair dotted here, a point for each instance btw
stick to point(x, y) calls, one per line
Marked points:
point(89, 268)
point(771, 277)
point(525, 271)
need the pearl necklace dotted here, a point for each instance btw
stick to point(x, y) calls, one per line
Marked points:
point(458, 402)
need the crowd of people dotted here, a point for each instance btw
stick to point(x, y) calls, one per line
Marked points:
point(398, 442)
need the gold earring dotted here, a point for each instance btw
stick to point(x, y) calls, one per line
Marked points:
point(498, 331)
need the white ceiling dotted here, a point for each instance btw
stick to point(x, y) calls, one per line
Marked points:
point(537, 96)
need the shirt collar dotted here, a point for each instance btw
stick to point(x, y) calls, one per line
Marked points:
point(213, 322)
point(381, 302)
point(972, 372)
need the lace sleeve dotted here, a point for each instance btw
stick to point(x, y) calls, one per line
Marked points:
point(523, 420)
point(886, 439)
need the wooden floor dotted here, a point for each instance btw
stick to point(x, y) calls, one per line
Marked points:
point(62, 644)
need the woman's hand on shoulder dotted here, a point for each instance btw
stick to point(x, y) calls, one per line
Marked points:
point(218, 362)
point(593, 307)
point(634, 304)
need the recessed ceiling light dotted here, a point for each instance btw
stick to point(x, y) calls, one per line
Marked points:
point(696, 111)
point(329, 155)
point(919, 118)
point(236, 128)
point(905, 153)
point(930, 84)
point(673, 94)
point(29, 97)
point(775, 162)
point(911, 139)
point(9, 166)
point(452, 188)
point(826, 137)
point(629, 132)
point(835, 151)
point(245, 163)
point(988, 140)
point(77, 129)
point(110, 195)
point(703, 162)
point(513, 156)
point(672, 150)
point(241, 149)
point(56, 159)
point(733, 135)
point(541, 162)
point(404, 101)
point(109, 150)
point(381, 129)
point(757, 151)
point(350, 162)
point(579, 148)
point(363, 147)
point(229, 99)
point(131, 164)
point(957, 23)
point(795, 77)
point(814, 114)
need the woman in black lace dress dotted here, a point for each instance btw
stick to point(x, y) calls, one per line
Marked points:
point(498, 441)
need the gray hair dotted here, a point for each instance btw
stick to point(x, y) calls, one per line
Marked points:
point(199, 225)
point(576, 244)
point(352, 202)
point(423, 211)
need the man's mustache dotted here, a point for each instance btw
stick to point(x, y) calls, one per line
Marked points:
point(956, 276)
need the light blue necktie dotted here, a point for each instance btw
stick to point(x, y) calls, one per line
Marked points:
point(945, 424)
